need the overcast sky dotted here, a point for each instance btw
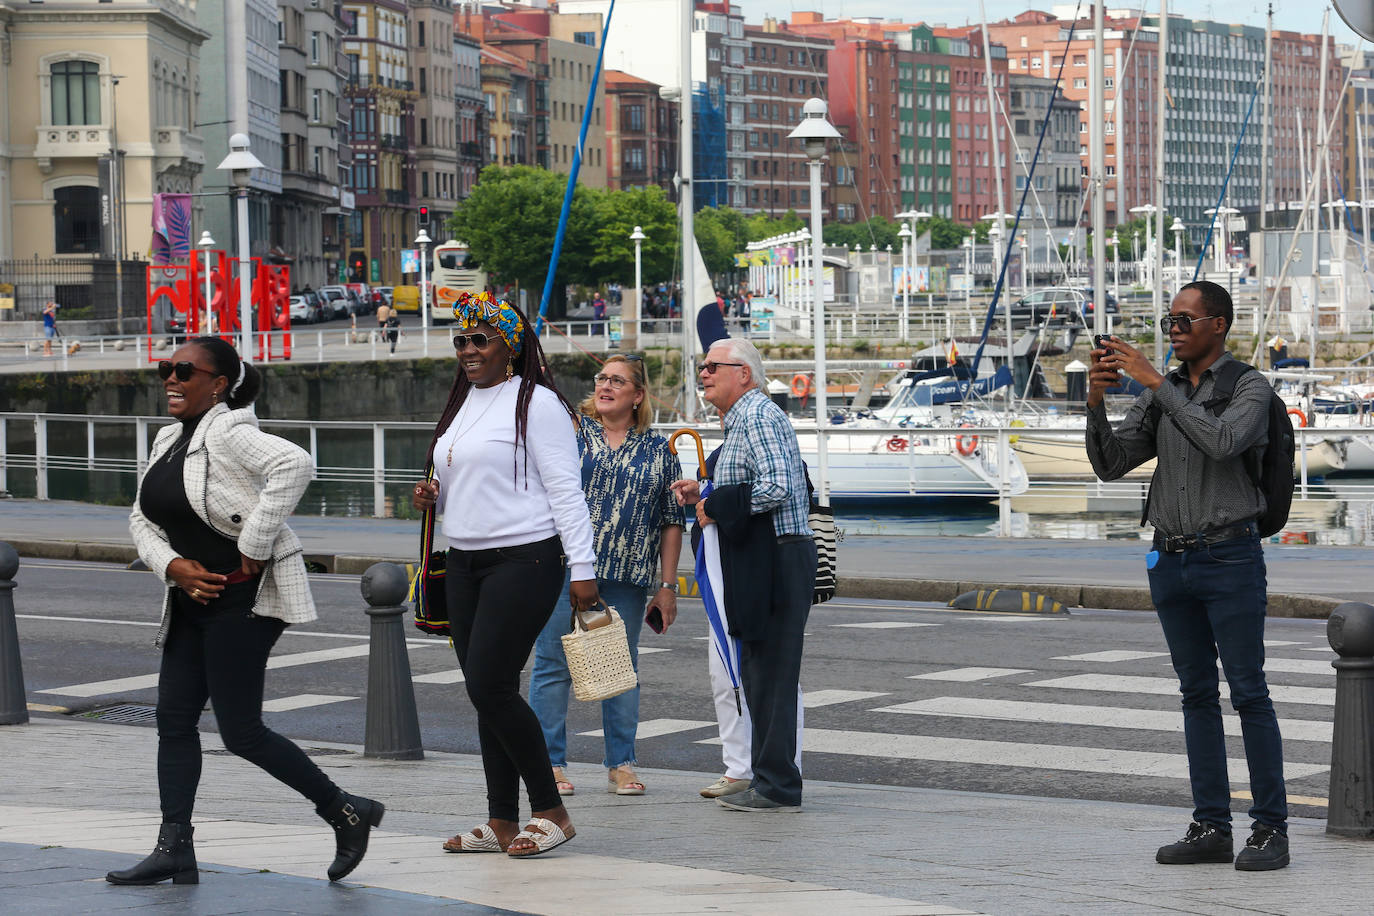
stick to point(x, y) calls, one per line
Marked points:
point(1288, 14)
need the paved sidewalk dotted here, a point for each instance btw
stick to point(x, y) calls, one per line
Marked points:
point(1303, 580)
point(79, 798)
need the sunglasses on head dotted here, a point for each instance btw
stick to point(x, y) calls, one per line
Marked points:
point(183, 371)
point(1183, 322)
point(479, 340)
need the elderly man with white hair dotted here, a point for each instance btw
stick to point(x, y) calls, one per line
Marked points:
point(768, 557)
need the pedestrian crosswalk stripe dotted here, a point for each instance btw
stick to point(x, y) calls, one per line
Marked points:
point(1009, 753)
point(967, 674)
point(454, 676)
point(1276, 643)
point(1111, 655)
point(1167, 686)
point(1100, 716)
point(145, 681)
point(657, 728)
point(301, 701)
point(1299, 666)
point(814, 699)
point(650, 650)
point(884, 625)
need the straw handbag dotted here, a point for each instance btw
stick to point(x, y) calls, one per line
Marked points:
point(598, 654)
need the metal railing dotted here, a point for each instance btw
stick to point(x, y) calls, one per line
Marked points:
point(386, 458)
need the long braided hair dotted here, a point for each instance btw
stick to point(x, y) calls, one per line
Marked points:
point(533, 369)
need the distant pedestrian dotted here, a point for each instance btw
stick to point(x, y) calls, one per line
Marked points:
point(393, 328)
point(383, 313)
point(627, 472)
point(768, 558)
point(209, 519)
point(599, 315)
point(507, 483)
point(49, 326)
point(1207, 573)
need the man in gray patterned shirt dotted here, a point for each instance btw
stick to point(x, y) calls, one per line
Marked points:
point(1206, 568)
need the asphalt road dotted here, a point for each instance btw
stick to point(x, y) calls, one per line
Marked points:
point(1077, 706)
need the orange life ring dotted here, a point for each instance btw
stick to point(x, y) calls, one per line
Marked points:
point(966, 445)
point(801, 385)
point(1302, 417)
point(896, 444)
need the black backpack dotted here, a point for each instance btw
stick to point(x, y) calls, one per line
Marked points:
point(1272, 473)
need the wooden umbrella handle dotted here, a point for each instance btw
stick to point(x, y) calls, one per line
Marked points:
point(701, 449)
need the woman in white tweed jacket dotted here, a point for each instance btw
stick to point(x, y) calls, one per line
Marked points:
point(210, 521)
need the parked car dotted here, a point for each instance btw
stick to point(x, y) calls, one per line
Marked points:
point(338, 303)
point(1060, 304)
point(299, 309)
point(381, 295)
point(406, 298)
point(316, 306)
point(362, 296)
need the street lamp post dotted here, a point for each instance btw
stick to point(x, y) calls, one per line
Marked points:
point(1149, 210)
point(968, 268)
point(423, 240)
point(1025, 267)
point(815, 130)
point(905, 235)
point(208, 243)
point(240, 164)
point(909, 218)
point(1116, 264)
point(632, 326)
point(1178, 229)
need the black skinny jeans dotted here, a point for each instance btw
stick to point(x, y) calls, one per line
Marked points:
point(219, 652)
point(498, 601)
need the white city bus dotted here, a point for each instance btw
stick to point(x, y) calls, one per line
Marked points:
point(452, 274)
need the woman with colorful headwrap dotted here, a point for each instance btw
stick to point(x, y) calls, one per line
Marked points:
point(507, 481)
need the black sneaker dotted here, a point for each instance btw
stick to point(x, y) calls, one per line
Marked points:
point(1266, 850)
point(1202, 843)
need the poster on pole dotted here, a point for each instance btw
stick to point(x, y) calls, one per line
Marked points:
point(410, 260)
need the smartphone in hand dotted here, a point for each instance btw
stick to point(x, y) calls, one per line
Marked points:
point(1100, 341)
point(654, 619)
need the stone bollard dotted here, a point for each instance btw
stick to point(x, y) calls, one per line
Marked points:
point(1350, 802)
point(393, 728)
point(14, 705)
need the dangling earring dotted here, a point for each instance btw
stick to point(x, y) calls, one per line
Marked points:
point(510, 370)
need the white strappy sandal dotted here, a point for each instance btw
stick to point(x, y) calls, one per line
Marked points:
point(551, 838)
point(480, 839)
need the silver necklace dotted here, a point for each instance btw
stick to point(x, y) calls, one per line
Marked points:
point(458, 432)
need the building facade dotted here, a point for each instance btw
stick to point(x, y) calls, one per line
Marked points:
point(435, 136)
point(81, 81)
point(1054, 198)
point(641, 134)
point(471, 107)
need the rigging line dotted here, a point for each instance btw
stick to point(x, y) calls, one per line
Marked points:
point(1225, 182)
point(1016, 224)
point(571, 188)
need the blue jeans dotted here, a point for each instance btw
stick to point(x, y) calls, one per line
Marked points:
point(1211, 601)
point(550, 682)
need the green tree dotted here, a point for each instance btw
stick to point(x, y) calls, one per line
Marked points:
point(510, 220)
point(945, 234)
point(613, 258)
point(716, 234)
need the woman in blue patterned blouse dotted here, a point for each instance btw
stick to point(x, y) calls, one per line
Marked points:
point(637, 525)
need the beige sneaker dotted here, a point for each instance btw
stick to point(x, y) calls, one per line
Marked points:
point(724, 786)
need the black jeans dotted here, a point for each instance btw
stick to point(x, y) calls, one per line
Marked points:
point(498, 602)
point(219, 652)
point(770, 668)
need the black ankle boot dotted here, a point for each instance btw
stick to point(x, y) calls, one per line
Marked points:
point(174, 857)
point(352, 818)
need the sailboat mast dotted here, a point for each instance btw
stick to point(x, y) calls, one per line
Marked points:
point(1001, 237)
point(1097, 155)
point(686, 297)
point(1161, 96)
point(1320, 157)
point(1264, 150)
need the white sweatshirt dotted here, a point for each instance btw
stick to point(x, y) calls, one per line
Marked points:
point(492, 497)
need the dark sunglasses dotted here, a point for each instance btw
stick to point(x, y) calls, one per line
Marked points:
point(184, 371)
point(1183, 322)
point(479, 340)
point(710, 368)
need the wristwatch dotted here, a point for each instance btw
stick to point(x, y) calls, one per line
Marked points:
point(671, 586)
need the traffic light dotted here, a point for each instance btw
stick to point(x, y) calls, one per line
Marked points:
point(424, 216)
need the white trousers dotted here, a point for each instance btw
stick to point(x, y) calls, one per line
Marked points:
point(736, 728)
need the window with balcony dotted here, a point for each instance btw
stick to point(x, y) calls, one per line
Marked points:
point(75, 92)
point(76, 220)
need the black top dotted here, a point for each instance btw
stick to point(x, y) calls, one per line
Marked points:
point(164, 501)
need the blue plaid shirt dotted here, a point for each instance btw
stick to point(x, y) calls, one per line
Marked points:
point(761, 448)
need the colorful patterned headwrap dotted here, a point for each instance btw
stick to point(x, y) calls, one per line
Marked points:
point(495, 312)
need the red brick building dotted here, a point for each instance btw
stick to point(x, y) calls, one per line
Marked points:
point(641, 134)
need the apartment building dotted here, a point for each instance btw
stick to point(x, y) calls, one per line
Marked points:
point(641, 134)
point(435, 137)
point(508, 89)
point(264, 104)
point(782, 70)
point(382, 100)
point(975, 167)
point(1055, 186)
point(1038, 45)
point(1297, 110)
point(560, 52)
point(79, 82)
point(471, 107)
point(924, 108)
point(326, 75)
